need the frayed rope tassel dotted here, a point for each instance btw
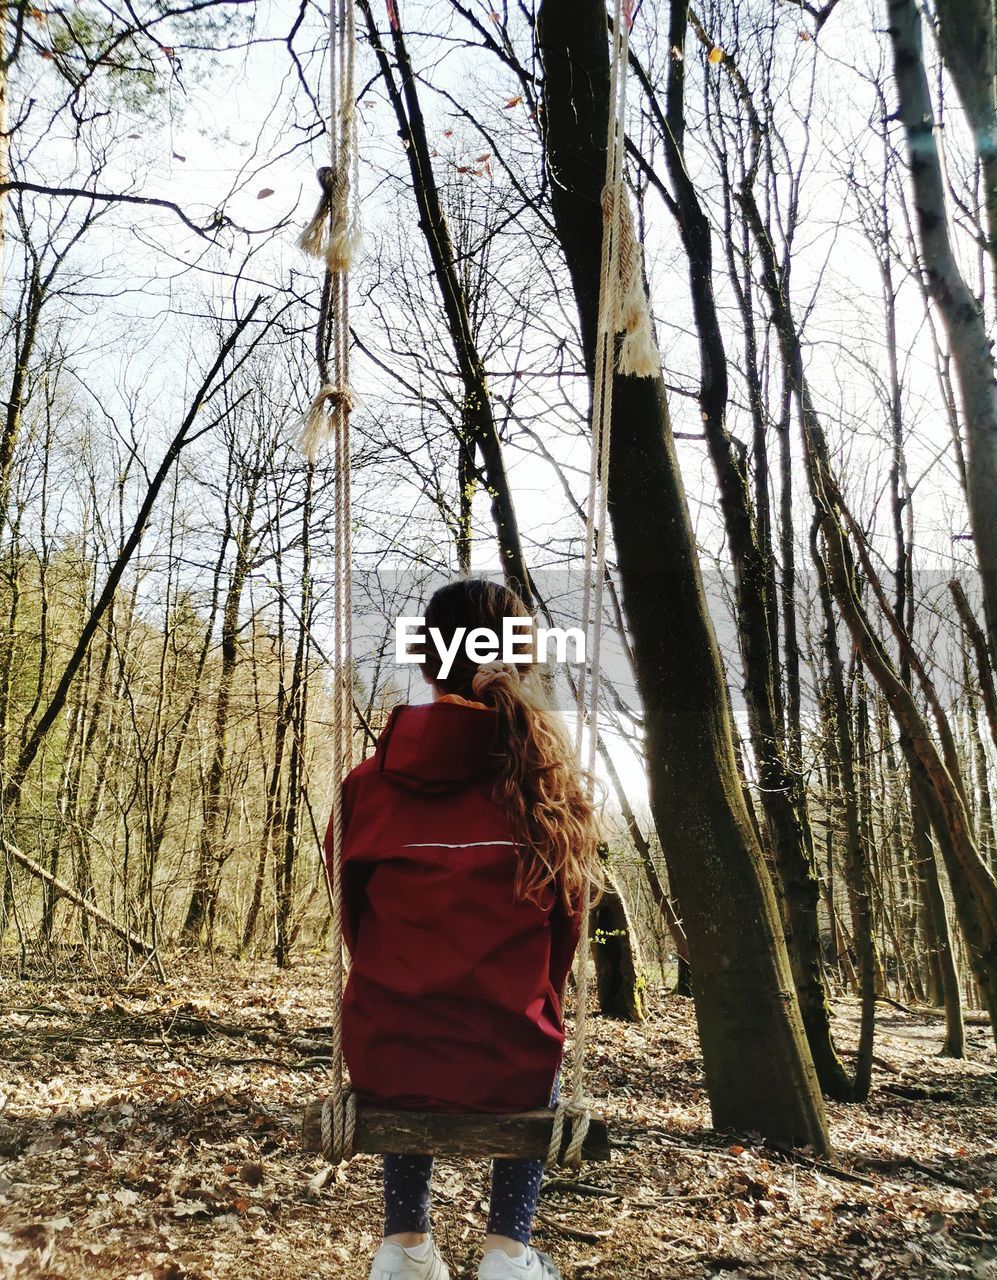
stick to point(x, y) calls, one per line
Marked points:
point(313, 238)
point(638, 355)
point(344, 241)
point(320, 423)
point(332, 233)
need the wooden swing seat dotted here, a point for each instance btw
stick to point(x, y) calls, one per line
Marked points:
point(524, 1134)
point(521, 1135)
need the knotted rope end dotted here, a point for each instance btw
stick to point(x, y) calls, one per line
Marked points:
point(320, 423)
point(579, 1115)
point(313, 239)
point(339, 1124)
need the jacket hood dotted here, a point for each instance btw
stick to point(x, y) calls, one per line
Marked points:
point(438, 747)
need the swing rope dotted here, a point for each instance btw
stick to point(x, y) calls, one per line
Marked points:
point(333, 235)
point(623, 308)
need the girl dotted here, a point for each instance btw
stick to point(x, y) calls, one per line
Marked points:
point(468, 843)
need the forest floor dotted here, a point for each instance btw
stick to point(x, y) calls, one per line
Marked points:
point(149, 1131)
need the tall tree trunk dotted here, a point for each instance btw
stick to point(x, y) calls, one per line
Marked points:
point(973, 886)
point(781, 789)
point(211, 851)
point(984, 666)
point(479, 429)
point(619, 975)
point(759, 1070)
point(972, 351)
point(938, 922)
point(269, 836)
point(298, 699)
point(968, 42)
point(856, 849)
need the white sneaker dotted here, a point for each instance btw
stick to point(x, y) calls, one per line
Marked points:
point(496, 1265)
point(391, 1262)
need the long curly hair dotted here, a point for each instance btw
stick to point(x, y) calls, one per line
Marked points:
point(540, 786)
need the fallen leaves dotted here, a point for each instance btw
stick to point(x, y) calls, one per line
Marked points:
point(159, 1153)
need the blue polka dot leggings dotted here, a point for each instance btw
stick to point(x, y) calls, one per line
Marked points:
point(515, 1188)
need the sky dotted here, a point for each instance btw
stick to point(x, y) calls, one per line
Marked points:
point(239, 129)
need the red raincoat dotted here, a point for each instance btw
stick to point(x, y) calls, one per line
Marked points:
point(453, 1002)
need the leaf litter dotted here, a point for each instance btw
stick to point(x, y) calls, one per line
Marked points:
point(150, 1132)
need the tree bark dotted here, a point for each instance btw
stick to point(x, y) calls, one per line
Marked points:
point(619, 976)
point(781, 789)
point(973, 886)
point(962, 316)
point(984, 667)
point(856, 849)
point(968, 43)
point(759, 1071)
point(522, 1135)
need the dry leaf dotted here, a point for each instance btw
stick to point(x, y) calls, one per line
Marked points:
point(322, 1178)
point(190, 1208)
